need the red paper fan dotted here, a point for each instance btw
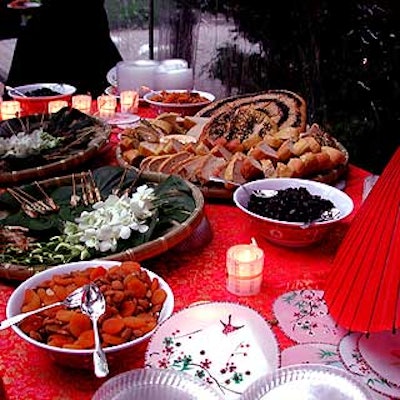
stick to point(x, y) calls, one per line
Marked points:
point(363, 289)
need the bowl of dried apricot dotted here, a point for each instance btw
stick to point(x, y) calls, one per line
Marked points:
point(137, 301)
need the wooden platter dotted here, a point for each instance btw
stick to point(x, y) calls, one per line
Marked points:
point(82, 137)
point(164, 238)
point(239, 139)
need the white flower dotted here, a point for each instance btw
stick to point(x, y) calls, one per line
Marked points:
point(113, 219)
point(23, 144)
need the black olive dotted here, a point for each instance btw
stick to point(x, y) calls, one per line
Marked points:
point(291, 205)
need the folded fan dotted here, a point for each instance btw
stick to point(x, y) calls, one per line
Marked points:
point(363, 289)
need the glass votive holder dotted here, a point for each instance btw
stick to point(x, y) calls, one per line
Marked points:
point(10, 109)
point(244, 267)
point(82, 102)
point(56, 105)
point(129, 100)
point(106, 105)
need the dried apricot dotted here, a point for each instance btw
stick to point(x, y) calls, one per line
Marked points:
point(79, 323)
point(113, 325)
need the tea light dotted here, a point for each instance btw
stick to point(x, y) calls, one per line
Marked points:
point(106, 105)
point(244, 264)
point(56, 105)
point(82, 102)
point(10, 109)
point(129, 100)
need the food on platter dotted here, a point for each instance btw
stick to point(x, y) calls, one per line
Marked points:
point(110, 213)
point(243, 139)
point(133, 303)
point(39, 146)
point(182, 97)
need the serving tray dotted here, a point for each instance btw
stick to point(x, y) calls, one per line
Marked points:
point(83, 138)
point(166, 238)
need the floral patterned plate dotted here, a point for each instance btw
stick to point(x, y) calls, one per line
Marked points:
point(382, 353)
point(355, 363)
point(227, 345)
point(304, 317)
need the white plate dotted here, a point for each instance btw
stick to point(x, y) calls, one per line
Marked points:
point(151, 384)
point(112, 76)
point(123, 119)
point(227, 345)
point(308, 382)
point(381, 351)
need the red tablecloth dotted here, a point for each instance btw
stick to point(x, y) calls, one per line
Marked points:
point(195, 276)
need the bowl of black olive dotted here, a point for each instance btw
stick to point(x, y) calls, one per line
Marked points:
point(293, 212)
point(35, 98)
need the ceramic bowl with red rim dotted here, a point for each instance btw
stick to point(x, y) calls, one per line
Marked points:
point(82, 358)
point(183, 102)
point(282, 231)
point(35, 98)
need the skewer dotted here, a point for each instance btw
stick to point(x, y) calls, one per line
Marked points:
point(117, 189)
point(132, 185)
point(97, 194)
point(29, 209)
point(38, 203)
point(74, 201)
point(84, 195)
point(49, 200)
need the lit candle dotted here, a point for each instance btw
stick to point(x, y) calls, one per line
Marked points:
point(106, 105)
point(10, 109)
point(129, 100)
point(244, 264)
point(82, 102)
point(56, 105)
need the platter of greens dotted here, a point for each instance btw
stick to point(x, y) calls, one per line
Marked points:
point(108, 213)
point(43, 145)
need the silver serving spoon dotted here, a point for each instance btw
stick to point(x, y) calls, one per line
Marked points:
point(259, 192)
point(73, 300)
point(328, 215)
point(94, 305)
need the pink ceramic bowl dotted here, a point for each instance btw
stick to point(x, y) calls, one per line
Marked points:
point(39, 104)
point(82, 358)
point(293, 234)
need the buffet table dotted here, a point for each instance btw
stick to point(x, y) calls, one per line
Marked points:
point(196, 275)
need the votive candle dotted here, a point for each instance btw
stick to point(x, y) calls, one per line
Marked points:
point(82, 102)
point(244, 264)
point(10, 109)
point(129, 100)
point(106, 105)
point(56, 105)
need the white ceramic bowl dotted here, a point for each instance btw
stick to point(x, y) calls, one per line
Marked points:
point(81, 358)
point(184, 109)
point(293, 234)
point(39, 104)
